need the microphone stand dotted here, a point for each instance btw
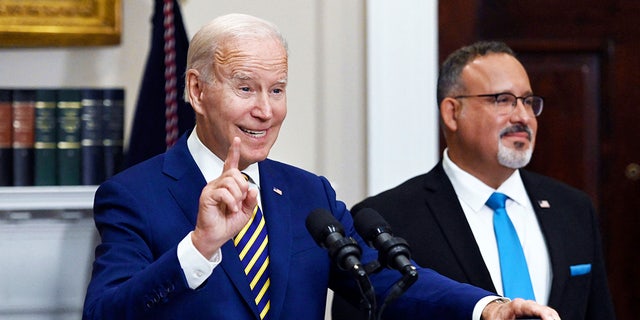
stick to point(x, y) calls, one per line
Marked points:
point(367, 292)
point(408, 279)
point(395, 246)
point(368, 295)
point(348, 249)
point(410, 276)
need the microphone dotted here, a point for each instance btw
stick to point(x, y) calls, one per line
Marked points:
point(328, 233)
point(393, 252)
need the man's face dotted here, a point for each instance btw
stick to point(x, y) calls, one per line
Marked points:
point(246, 99)
point(490, 137)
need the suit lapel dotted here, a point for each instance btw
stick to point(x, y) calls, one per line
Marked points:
point(444, 205)
point(186, 189)
point(276, 206)
point(188, 180)
point(549, 219)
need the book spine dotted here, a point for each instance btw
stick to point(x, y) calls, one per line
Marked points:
point(68, 155)
point(6, 140)
point(45, 173)
point(113, 126)
point(92, 137)
point(23, 136)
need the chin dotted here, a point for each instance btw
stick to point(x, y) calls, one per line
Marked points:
point(514, 159)
point(256, 156)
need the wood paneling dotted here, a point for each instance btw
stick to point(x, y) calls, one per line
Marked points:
point(583, 57)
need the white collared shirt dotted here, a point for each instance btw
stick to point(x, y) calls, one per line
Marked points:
point(472, 195)
point(195, 266)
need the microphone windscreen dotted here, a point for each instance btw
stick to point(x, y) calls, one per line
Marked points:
point(320, 223)
point(369, 223)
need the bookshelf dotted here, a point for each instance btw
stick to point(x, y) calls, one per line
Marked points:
point(56, 145)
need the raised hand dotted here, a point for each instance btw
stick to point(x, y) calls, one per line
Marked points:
point(226, 205)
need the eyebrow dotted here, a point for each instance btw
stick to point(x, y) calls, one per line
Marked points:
point(245, 76)
point(241, 76)
point(525, 94)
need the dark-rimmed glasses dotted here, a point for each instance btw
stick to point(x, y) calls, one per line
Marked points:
point(506, 102)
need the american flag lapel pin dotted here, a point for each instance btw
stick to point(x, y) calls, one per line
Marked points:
point(278, 191)
point(544, 204)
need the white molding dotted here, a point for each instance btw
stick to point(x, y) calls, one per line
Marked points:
point(46, 198)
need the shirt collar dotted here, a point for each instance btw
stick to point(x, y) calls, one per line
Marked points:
point(209, 164)
point(475, 193)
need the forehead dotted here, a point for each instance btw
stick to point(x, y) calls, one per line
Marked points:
point(495, 73)
point(248, 53)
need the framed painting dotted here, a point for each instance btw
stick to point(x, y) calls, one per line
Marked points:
point(59, 23)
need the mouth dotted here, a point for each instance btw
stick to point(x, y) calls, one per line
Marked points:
point(254, 133)
point(517, 131)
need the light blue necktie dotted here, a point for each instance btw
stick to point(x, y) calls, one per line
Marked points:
point(516, 282)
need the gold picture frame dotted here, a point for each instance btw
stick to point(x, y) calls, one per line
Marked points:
point(60, 23)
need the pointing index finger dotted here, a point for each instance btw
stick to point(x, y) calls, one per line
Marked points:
point(233, 155)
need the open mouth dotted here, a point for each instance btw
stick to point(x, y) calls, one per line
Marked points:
point(254, 133)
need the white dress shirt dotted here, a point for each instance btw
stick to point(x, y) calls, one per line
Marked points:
point(472, 195)
point(195, 266)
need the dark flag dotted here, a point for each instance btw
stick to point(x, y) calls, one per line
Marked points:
point(161, 114)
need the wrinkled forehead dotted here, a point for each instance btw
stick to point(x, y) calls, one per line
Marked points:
point(252, 52)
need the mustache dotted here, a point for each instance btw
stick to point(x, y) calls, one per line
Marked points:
point(517, 128)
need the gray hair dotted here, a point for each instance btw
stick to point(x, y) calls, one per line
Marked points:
point(223, 30)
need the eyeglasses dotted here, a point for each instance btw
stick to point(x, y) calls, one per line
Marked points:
point(506, 102)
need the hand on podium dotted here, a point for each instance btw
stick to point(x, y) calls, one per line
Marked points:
point(502, 309)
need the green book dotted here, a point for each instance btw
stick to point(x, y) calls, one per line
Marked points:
point(69, 109)
point(45, 138)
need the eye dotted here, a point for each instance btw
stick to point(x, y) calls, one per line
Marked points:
point(245, 89)
point(528, 101)
point(504, 99)
point(277, 91)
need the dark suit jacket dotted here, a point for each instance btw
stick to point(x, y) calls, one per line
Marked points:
point(426, 212)
point(144, 212)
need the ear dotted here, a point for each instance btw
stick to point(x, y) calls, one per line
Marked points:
point(449, 110)
point(195, 89)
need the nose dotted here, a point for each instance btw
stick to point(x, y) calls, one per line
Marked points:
point(263, 108)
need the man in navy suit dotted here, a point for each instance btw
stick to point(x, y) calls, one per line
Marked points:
point(168, 225)
point(488, 116)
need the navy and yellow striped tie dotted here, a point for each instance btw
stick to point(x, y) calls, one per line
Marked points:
point(252, 245)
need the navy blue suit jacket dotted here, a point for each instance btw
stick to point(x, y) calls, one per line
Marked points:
point(144, 212)
point(425, 211)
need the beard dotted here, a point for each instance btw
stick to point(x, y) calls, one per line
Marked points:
point(512, 158)
point(515, 158)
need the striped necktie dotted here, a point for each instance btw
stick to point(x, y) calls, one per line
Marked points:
point(252, 245)
point(516, 282)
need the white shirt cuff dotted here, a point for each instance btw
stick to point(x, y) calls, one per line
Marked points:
point(482, 303)
point(195, 266)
